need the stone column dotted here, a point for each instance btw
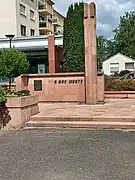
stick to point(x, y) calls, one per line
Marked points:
point(58, 57)
point(90, 53)
point(57, 64)
point(51, 53)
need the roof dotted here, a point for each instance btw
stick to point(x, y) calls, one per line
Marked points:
point(58, 13)
point(51, 2)
point(120, 55)
point(33, 43)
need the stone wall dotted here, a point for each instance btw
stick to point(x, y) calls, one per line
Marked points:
point(21, 109)
point(59, 86)
point(120, 94)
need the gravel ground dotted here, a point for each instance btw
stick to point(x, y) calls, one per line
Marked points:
point(61, 154)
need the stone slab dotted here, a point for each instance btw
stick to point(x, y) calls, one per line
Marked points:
point(86, 124)
point(115, 113)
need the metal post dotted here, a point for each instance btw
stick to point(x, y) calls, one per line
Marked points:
point(10, 42)
point(10, 36)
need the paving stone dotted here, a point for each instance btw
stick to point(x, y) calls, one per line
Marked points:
point(115, 113)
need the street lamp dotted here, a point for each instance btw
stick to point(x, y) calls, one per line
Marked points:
point(10, 36)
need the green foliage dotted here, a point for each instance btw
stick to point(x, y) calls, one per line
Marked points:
point(105, 49)
point(13, 63)
point(17, 93)
point(125, 35)
point(117, 85)
point(110, 48)
point(74, 39)
point(23, 93)
point(2, 96)
point(123, 42)
point(101, 51)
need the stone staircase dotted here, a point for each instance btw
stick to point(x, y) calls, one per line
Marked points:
point(116, 114)
point(59, 122)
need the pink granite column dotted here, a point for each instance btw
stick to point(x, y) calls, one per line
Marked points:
point(58, 57)
point(90, 53)
point(57, 60)
point(51, 53)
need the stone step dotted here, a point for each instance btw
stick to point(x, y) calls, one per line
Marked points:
point(81, 124)
point(83, 119)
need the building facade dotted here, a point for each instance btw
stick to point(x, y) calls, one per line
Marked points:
point(58, 22)
point(19, 17)
point(29, 18)
point(117, 63)
point(50, 21)
point(45, 9)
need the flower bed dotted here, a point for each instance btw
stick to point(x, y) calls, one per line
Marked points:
point(117, 85)
point(16, 108)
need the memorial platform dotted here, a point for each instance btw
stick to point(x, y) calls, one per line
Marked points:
point(114, 114)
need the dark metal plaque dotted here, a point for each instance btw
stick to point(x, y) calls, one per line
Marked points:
point(37, 85)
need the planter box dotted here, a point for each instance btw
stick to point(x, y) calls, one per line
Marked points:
point(120, 94)
point(21, 109)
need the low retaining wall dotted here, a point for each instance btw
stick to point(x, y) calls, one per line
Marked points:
point(59, 87)
point(56, 87)
point(120, 94)
point(21, 109)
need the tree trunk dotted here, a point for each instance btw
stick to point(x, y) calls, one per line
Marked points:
point(9, 84)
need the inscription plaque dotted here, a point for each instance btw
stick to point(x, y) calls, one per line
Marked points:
point(68, 81)
point(37, 85)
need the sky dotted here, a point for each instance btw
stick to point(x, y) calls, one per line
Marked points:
point(108, 13)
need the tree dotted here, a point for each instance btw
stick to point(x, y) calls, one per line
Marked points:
point(74, 39)
point(125, 35)
point(13, 63)
point(110, 48)
point(105, 49)
point(101, 51)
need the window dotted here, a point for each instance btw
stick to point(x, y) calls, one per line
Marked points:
point(32, 15)
point(41, 18)
point(129, 65)
point(32, 32)
point(114, 67)
point(22, 10)
point(23, 30)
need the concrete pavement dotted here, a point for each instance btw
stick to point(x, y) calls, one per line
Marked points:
point(67, 154)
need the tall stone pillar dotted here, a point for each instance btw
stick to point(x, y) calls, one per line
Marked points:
point(90, 53)
point(58, 57)
point(51, 53)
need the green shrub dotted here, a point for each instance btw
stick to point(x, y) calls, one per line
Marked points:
point(2, 96)
point(17, 93)
point(23, 93)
